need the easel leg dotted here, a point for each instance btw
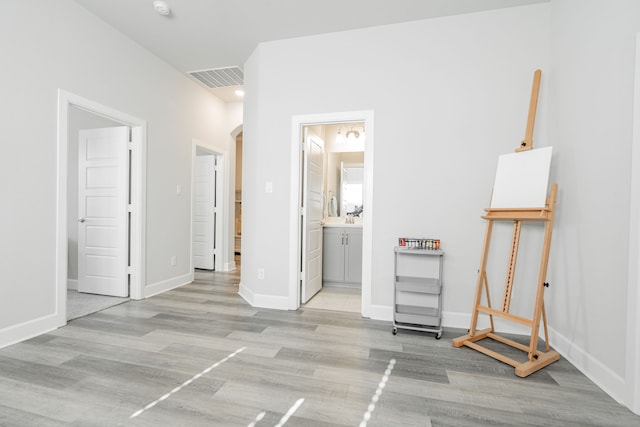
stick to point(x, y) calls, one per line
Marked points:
point(481, 278)
point(544, 263)
point(486, 290)
point(546, 332)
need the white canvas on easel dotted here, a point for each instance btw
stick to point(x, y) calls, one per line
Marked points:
point(522, 179)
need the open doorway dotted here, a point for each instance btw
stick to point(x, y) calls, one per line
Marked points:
point(237, 248)
point(97, 232)
point(206, 201)
point(76, 113)
point(339, 232)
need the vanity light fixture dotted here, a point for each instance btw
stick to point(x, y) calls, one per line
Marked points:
point(353, 135)
point(161, 7)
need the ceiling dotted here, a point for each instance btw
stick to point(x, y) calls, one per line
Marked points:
point(208, 34)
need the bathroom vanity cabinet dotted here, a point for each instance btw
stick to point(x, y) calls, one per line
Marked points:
point(342, 256)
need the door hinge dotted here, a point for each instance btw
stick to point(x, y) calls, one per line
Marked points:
point(129, 269)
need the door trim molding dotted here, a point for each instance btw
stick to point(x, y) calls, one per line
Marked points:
point(632, 369)
point(137, 248)
point(297, 122)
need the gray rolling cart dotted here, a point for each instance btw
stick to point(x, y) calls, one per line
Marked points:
point(417, 295)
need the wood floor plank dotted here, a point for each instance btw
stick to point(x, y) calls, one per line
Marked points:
point(228, 344)
point(12, 416)
point(53, 377)
point(31, 400)
point(91, 336)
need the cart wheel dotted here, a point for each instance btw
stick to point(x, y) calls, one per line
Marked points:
point(395, 330)
point(439, 335)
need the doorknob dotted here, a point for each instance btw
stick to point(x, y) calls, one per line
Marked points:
point(81, 219)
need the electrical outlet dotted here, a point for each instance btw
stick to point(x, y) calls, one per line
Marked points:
point(174, 261)
point(261, 273)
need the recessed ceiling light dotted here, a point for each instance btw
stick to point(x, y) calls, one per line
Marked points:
point(239, 92)
point(161, 7)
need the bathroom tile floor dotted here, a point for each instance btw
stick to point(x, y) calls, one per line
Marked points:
point(337, 299)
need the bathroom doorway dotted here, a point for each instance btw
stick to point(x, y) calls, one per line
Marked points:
point(345, 140)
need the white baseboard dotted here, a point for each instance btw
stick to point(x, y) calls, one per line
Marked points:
point(381, 312)
point(245, 293)
point(167, 285)
point(453, 320)
point(463, 321)
point(32, 328)
point(613, 384)
point(72, 284)
point(263, 301)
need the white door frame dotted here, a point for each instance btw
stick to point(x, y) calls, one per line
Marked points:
point(137, 247)
point(230, 198)
point(220, 198)
point(632, 369)
point(297, 123)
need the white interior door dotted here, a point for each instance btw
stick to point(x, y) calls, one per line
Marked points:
point(103, 183)
point(204, 215)
point(312, 221)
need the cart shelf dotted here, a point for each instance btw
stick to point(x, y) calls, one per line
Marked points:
point(418, 278)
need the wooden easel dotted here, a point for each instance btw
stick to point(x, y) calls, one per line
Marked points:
point(536, 359)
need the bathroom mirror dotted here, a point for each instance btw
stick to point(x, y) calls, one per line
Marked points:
point(351, 189)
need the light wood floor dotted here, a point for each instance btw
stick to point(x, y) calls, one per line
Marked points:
point(201, 356)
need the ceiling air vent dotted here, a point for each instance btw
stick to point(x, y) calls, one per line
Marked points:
point(219, 77)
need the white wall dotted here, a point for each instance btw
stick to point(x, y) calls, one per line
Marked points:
point(449, 95)
point(593, 53)
point(51, 45)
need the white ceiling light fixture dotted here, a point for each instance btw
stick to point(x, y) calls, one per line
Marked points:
point(239, 92)
point(161, 7)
